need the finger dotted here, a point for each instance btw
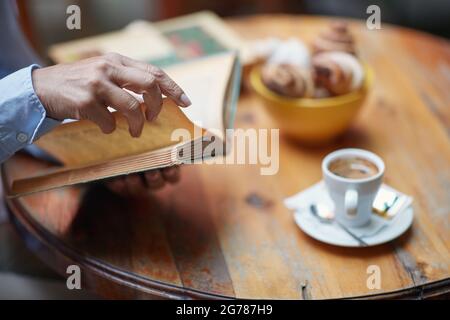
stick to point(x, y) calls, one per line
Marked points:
point(133, 79)
point(153, 101)
point(102, 117)
point(134, 184)
point(154, 179)
point(142, 82)
point(117, 185)
point(171, 174)
point(129, 106)
point(169, 87)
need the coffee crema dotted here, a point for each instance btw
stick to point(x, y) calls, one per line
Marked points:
point(353, 168)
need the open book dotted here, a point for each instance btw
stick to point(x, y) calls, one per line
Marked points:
point(160, 43)
point(177, 136)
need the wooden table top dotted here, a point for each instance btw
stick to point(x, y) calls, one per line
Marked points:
point(223, 230)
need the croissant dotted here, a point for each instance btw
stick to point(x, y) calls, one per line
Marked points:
point(287, 80)
point(336, 38)
point(338, 72)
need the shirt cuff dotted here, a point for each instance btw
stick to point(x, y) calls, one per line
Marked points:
point(27, 114)
point(44, 124)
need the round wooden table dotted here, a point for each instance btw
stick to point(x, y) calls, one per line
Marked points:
point(223, 231)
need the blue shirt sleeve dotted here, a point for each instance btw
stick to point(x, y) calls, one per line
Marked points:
point(22, 115)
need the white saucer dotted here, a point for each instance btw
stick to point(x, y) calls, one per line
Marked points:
point(378, 231)
point(333, 234)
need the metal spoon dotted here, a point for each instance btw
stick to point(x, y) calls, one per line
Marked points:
point(330, 219)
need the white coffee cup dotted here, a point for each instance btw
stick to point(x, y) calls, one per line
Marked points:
point(353, 198)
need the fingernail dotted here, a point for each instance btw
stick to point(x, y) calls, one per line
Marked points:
point(134, 134)
point(185, 100)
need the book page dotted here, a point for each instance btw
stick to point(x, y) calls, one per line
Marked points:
point(209, 22)
point(205, 82)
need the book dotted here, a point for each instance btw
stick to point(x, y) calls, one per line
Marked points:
point(177, 136)
point(161, 43)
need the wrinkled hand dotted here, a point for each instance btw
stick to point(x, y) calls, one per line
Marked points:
point(84, 90)
point(140, 183)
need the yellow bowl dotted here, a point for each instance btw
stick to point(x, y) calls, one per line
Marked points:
point(312, 120)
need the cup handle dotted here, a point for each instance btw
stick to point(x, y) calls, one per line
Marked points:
point(351, 203)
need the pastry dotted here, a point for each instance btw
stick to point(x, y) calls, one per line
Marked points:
point(338, 72)
point(287, 80)
point(292, 52)
point(336, 38)
point(321, 92)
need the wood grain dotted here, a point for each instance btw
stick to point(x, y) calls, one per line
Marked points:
point(223, 232)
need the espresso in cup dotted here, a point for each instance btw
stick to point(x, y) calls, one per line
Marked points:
point(353, 178)
point(353, 168)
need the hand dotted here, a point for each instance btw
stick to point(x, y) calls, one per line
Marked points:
point(84, 90)
point(140, 183)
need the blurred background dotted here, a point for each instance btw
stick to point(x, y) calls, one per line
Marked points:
point(44, 20)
